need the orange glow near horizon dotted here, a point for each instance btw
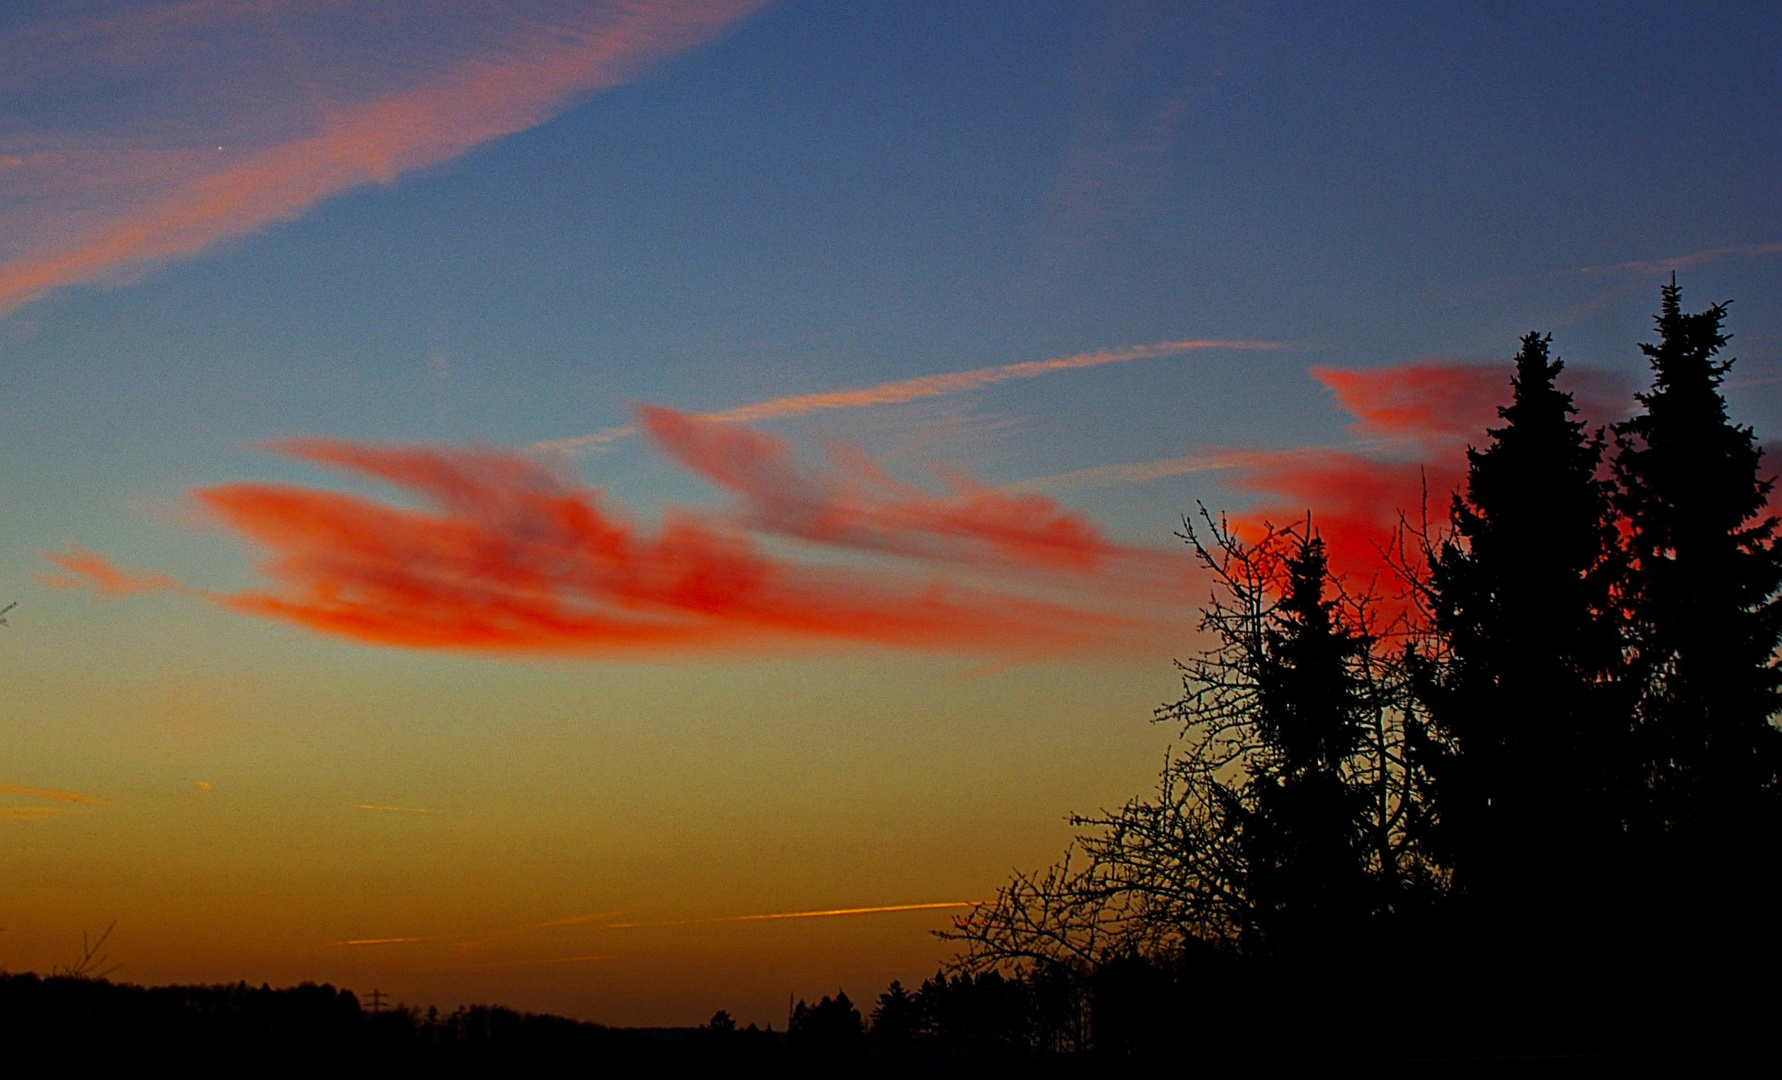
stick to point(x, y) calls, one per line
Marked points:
point(632, 508)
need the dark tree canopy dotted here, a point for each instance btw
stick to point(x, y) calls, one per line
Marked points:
point(1706, 618)
point(1302, 816)
point(1531, 752)
point(1550, 800)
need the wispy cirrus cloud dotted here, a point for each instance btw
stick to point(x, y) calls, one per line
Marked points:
point(1648, 267)
point(900, 391)
point(89, 568)
point(507, 554)
point(861, 507)
point(1124, 128)
point(1566, 295)
point(243, 114)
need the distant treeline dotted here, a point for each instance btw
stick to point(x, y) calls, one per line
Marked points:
point(308, 1027)
point(962, 1025)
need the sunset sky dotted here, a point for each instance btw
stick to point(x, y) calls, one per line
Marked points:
point(636, 508)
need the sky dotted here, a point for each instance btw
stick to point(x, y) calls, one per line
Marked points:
point(631, 509)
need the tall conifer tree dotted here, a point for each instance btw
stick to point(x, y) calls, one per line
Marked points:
point(1302, 821)
point(1703, 590)
point(1533, 738)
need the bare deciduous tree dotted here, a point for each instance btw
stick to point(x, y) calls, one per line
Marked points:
point(1206, 858)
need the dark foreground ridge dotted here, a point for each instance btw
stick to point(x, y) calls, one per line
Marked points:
point(1220, 1013)
point(320, 1026)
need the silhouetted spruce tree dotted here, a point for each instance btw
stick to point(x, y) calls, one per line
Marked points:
point(1531, 753)
point(1703, 593)
point(830, 1029)
point(1279, 827)
point(1302, 818)
point(895, 1021)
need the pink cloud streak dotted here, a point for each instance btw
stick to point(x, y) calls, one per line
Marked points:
point(476, 99)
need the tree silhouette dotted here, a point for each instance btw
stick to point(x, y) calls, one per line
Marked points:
point(1706, 622)
point(975, 1018)
point(1703, 592)
point(829, 1029)
point(1282, 825)
point(1530, 750)
point(896, 1019)
point(1302, 812)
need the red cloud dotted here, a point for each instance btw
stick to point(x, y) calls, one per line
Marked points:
point(1435, 402)
point(1355, 502)
point(1427, 401)
point(504, 554)
point(859, 506)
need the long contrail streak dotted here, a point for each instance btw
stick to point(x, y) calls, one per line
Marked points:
point(919, 388)
point(827, 914)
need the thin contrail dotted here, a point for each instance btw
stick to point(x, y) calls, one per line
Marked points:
point(575, 920)
point(1139, 472)
point(827, 914)
point(535, 963)
point(58, 796)
point(922, 386)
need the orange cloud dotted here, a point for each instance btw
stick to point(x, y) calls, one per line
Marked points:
point(145, 218)
point(504, 554)
point(54, 796)
point(919, 388)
